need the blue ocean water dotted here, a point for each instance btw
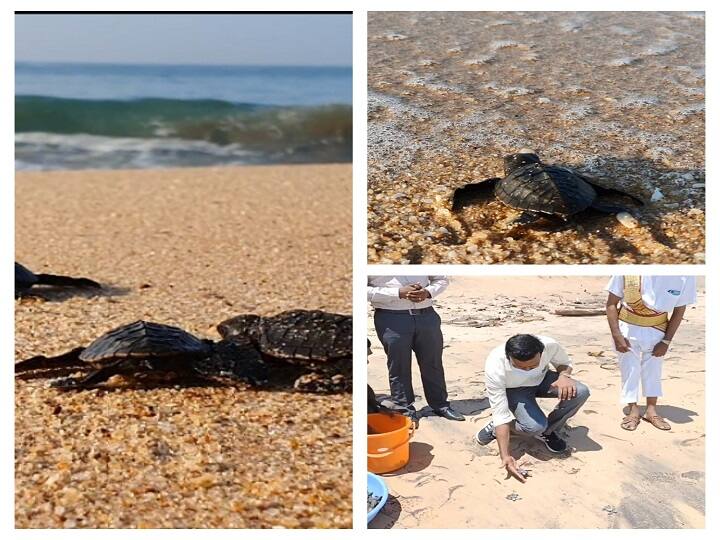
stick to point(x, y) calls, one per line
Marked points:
point(77, 116)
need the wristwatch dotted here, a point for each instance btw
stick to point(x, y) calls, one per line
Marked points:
point(666, 341)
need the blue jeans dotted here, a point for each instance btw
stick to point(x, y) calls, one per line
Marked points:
point(529, 417)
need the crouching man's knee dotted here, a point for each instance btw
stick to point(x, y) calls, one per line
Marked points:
point(582, 392)
point(531, 426)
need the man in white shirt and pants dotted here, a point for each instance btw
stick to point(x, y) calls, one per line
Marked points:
point(516, 374)
point(644, 312)
point(405, 321)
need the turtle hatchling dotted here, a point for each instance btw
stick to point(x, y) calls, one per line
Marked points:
point(542, 190)
point(142, 348)
point(317, 342)
point(25, 279)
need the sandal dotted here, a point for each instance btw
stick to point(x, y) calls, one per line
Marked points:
point(658, 421)
point(630, 422)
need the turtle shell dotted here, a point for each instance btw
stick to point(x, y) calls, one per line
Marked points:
point(546, 189)
point(24, 278)
point(306, 336)
point(144, 340)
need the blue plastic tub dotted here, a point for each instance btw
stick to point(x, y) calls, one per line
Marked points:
point(377, 487)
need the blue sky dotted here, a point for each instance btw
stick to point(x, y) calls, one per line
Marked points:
point(318, 40)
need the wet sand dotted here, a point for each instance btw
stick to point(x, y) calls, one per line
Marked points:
point(612, 478)
point(617, 96)
point(186, 247)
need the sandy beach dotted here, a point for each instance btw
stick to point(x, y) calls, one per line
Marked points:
point(187, 247)
point(617, 96)
point(611, 479)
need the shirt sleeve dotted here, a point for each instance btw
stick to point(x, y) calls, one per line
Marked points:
point(616, 286)
point(437, 285)
point(557, 355)
point(497, 395)
point(376, 293)
point(689, 293)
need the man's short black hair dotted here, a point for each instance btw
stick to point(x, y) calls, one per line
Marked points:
point(523, 347)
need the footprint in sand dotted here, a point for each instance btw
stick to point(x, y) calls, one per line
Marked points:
point(693, 475)
point(692, 442)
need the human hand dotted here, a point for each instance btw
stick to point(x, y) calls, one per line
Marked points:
point(407, 289)
point(511, 467)
point(565, 386)
point(621, 343)
point(419, 295)
point(660, 349)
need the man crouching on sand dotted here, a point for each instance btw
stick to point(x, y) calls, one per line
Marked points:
point(515, 375)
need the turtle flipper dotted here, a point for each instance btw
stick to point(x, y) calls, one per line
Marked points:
point(602, 190)
point(66, 281)
point(90, 380)
point(70, 359)
point(527, 218)
point(471, 193)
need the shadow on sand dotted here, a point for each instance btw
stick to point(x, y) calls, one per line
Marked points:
point(388, 516)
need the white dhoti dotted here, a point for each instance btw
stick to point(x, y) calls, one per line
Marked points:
point(638, 366)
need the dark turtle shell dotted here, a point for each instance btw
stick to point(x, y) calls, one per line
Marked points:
point(306, 336)
point(24, 278)
point(144, 340)
point(543, 188)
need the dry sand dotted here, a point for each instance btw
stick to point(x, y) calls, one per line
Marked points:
point(619, 96)
point(187, 247)
point(612, 478)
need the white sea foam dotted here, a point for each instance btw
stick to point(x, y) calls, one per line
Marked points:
point(54, 151)
point(578, 112)
point(631, 102)
point(509, 91)
point(661, 49)
point(623, 61)
point(480, 60)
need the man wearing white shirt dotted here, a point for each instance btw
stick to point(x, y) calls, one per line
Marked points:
point(516, 374)
point(405, 321)
point(644, 312)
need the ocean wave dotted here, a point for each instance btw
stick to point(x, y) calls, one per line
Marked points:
point(173, 132)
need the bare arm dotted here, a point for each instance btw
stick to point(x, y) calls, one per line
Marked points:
point(674, 322)
point(502, 434)
point(611, 309)
point(661, 348)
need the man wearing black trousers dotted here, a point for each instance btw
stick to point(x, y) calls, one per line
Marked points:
point(406, 322)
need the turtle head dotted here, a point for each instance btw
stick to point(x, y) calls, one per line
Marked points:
point(235, 359)
point(522, 158)
point(241, 327)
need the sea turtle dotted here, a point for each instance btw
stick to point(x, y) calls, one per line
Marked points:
point(142, 348)
point(318, 342)
point(539, 189)
point(26, 279)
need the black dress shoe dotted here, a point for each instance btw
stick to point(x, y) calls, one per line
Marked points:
point(449, 413)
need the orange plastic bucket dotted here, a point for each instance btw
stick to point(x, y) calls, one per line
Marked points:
point(389, 447)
